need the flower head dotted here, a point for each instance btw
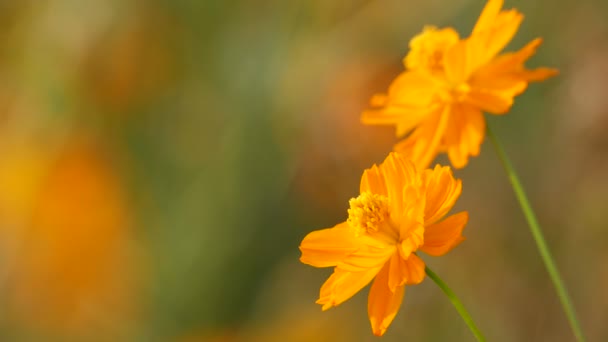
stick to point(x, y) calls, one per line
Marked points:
point(449, 82)
point(399, 211)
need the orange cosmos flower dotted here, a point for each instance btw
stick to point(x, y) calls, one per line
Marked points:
point(449, 82)
point(398, 212)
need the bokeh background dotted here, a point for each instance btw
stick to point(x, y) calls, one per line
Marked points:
point(160, 162)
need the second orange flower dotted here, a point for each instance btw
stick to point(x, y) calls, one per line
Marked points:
point(449, 82)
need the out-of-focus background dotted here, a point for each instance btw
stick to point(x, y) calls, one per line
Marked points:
point(161, 160)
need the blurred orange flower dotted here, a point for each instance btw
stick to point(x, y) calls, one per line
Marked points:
point(399, 211)
point(73, 271)
point(449, 82)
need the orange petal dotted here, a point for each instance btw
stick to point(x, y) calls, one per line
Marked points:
point(328, 247)
point(459, 62)
point(342, 285)
point(405, 118)
point(383, 304)
point(458, 144)
point(373, 181)
point(397, 276)
point(488, 15)
point(491, 102)
point(474, 130)
point(413, 89)
point(427, 48)
point(495, 85)
point(398, 172)
point(408, 271)
point(407, 103)
point(441, 237)
point(422, 146)
point(488, 43)
point(409, 89)
point(514, 62)
point(536, 75)
point(411, 222)
point(372, 254)
point(442, 191)
point(501, 82)
point(510, 60)
point(465, 58)
point(464, 135)
point(414, 270)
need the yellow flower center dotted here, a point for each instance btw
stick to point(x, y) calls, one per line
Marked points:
point(428, 48)
point(367, 212)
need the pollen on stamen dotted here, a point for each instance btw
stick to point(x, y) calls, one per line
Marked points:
point(367, 212)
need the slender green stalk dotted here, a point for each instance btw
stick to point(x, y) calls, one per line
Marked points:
point(457, 304)
point(537, 233)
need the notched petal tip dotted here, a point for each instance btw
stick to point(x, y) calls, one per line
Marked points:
point(326, 304)
point(488, 15)
point(442, 168)
point(383, 304)
point(459, 162)
point(379, 331)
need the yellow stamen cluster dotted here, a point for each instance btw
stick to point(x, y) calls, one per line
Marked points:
point(367, 212)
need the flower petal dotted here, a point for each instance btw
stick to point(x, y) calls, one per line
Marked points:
point(342, 285)
point(493, 102)
point(422, 146)
point(411, 223)
point(408, 271)
point(413, 89)
point(406, 104)
point(493, 31)
point(404, 118)
point(441, 237)
point(494, 86)
point(464, 135)
point(459, 62)
point(383, 304)
point(396, 272)
point(487, 43)
point(510, 64)
point(414, 270)
point(328, 247)
point(536, 75)
point(501, 82)
point(514, 60)
point(373, 253)
point(467, 56)
point(488, 15)
point(427, 48)
point(373, 181)
point(398, 172)
point(442, 191)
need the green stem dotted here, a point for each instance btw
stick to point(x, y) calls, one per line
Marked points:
point(457, 304)
point(537, 233)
